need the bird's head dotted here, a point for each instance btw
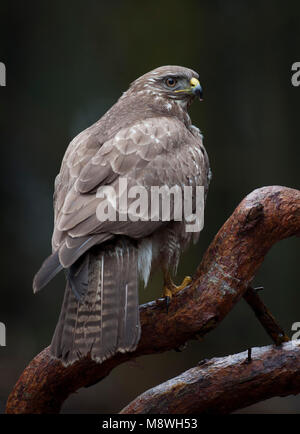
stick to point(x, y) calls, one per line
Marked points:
point(174, 83)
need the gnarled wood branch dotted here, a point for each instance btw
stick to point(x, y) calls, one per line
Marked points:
point(224, 384)
point(265, 317)
point(264, 217)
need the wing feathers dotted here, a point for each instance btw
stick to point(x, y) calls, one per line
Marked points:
point(73, 248)
point(51, 266)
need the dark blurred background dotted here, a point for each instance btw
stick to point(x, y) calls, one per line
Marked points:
point(67, 63)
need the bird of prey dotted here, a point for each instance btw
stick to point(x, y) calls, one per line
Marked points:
point(147, 138)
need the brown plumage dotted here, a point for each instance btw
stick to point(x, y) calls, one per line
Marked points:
point(146, 137)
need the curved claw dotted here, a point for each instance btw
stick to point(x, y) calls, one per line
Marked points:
point(171, 289)
point(168, 301)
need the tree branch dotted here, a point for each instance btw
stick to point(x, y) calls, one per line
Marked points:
point(265, 317)
point(222, 385)
point(264, 217)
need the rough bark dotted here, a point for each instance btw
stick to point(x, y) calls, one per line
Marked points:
point(264, 217)
point(222, 385)
point(265, 317)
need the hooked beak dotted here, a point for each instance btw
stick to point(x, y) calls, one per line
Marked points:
point(196, 88)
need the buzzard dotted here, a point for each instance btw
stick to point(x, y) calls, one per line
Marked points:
point(148, 139)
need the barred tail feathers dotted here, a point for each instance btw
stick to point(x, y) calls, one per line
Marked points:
point(106, 319)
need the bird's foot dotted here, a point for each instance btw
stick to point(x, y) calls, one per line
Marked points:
point(170, 289)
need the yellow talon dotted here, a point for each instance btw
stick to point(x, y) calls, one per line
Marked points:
point(167, 292)
point(170, 288)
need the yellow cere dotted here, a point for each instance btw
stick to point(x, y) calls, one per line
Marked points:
point(194, 82)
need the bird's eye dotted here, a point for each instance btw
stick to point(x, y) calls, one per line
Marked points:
point(171, 82)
